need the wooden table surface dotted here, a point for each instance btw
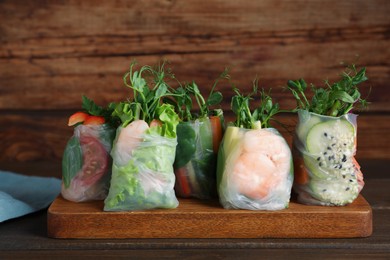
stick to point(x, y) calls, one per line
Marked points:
point(26, 237)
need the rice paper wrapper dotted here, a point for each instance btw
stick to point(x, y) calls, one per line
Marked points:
point(254, 170)
point(86, 163)
point(142, 173)
point(195, 163)
point(326, 172)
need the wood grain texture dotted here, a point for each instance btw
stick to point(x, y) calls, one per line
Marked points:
point(52, 52)
point(68, 48)
point(216, 253)
point(205, 219)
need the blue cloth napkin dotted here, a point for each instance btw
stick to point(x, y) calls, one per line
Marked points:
point(21, 194)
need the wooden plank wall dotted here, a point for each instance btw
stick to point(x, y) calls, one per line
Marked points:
point(52, 52)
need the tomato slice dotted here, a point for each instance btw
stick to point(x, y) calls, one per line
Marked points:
point(95, 160)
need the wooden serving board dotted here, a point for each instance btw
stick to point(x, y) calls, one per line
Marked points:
point(207, 219)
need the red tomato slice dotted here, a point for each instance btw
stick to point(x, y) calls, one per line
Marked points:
point(95, 160)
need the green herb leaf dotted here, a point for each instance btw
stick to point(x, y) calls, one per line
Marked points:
point(161, 91)
point(336, 99)
point(186, 95)
point(91, 107)
point(214, 99)
point(341, 95)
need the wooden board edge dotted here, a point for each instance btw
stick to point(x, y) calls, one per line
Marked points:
point(257, 225)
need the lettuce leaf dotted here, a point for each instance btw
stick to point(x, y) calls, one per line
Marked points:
point(169, 119)
point(147, 180)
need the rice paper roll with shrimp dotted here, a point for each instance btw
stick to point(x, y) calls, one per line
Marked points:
point(142, 172)
point(86, 162)
point(255, 169)
point(144, 148)
point(143, 154)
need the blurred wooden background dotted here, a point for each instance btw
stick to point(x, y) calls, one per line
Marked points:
point(52, 52)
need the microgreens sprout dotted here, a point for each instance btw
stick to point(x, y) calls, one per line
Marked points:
point(335, 99)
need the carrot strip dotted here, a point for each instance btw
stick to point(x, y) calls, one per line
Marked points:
point(301, 176)
point(359, 174)
point(216, 129)
point(182, 186)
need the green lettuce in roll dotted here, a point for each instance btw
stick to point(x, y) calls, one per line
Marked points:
point(199, 134)
point(144, 148)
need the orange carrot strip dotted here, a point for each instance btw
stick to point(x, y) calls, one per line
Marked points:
point(216, 129)
point(182, 186)
point(301, 176)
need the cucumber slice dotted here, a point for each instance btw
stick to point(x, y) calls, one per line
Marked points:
point(324, 136)
point(231, 137)
point(316, 168)
point(337, 193)
point(307, 121)
point(205, 135)
point(330, 147)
